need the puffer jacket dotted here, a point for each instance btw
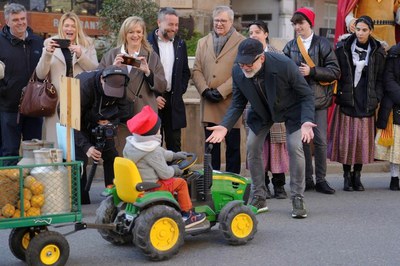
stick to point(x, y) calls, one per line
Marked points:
point(326, 68)
point(20, 58)
point(391, 93)
point(374, 91)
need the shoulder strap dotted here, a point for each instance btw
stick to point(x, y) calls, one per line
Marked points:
point(304, 53)
point(141, 82)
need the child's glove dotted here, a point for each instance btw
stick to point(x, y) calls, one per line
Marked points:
point(177, 171)
point(179, 155)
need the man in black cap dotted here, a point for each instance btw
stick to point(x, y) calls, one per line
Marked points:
point(103, 107)
point(277, 93)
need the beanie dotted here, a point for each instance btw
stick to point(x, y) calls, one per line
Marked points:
point(144, 123)
point(308, 14)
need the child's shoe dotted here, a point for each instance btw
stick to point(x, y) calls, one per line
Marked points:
point(192, 218)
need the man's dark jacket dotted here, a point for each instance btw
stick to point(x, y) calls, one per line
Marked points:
point(326, 68)
point(180, 79)
point(20, 58)
point(391, 98)
point(289, 98)
point(113, 109)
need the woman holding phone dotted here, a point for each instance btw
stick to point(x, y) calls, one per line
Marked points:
point(66, 54)
point(146, 78)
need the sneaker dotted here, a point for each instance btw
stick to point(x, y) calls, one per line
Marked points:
point(279, 192)
point(260, 204)
point(299, 211)
point(192, 218)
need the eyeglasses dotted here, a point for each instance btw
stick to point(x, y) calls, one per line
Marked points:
point(252, 63)
point(222, 21)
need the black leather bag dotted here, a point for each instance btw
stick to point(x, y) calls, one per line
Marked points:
point(38, 98)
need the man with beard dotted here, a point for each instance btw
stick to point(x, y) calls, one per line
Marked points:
point(276, 94)
point(173, 53)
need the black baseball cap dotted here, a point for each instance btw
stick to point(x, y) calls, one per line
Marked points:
point(115, 81)
point(248, 50)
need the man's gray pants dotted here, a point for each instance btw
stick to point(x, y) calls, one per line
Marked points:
point(255, 144)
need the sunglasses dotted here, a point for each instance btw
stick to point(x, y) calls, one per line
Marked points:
point(252, 63)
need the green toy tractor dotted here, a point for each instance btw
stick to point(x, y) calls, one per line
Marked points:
point(134, 212)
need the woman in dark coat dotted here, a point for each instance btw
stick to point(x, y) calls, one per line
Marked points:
point(361, 59)
point(387, 145)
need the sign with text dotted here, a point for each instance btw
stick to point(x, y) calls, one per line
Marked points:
point(42, 22)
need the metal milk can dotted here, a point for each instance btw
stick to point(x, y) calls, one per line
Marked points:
point(55, 180)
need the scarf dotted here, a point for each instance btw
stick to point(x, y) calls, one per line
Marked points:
point(360, 59)
point(220, 41)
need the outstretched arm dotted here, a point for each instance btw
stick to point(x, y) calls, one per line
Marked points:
point(217, 135)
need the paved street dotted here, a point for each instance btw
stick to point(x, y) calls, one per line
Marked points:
point(348, 228)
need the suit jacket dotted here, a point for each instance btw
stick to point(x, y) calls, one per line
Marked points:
point(289, 99)
point(55, 64)
point(180, 79)
point(211, 71)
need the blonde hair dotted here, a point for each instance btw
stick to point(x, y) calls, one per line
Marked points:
point(125, 27)
point(81, 37)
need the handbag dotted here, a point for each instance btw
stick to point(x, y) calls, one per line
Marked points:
point(38, 98)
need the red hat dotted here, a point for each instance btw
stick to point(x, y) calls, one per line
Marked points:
point(144, 123)
point(308, 14)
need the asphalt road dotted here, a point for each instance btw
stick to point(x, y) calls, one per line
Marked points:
point(347, 228)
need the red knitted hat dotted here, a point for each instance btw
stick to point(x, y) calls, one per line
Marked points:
point(144, 123)
point(308, 14)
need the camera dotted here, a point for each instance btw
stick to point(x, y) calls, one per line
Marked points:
point(63, 43)
point(129, 60)
point(104, 132)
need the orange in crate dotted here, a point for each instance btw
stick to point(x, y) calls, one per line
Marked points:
point(28, 181)
point(37, 201)
point(27, 194)
point(27, 204)
point(33, 211)
point(8, 210)
point(37, 188)
point(17, 214)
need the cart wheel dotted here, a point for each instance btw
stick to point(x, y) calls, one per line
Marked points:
point(159, 232)
point(48, 248)
point(19, 240)
point(239, 225)
point(106, 214)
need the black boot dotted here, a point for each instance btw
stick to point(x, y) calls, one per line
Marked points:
point(347, 185)
point(394, 183)
point(357, 186)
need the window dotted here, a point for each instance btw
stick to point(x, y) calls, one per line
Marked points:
point(330, 15)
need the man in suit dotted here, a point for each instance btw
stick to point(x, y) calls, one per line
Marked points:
point(276, 94)
point(173, 54)
point(212, 76)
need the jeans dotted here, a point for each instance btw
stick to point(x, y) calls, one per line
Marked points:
point(11, 132)
point(296, 162)
point(320, 148)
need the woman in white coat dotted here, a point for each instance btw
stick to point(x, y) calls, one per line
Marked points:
point(79, 56)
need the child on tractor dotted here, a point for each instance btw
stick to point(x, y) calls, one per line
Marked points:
point(144, 149)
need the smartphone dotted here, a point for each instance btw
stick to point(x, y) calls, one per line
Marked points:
point(129, 60)
point(63, 43)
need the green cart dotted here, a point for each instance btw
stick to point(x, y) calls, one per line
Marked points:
point(33, 198)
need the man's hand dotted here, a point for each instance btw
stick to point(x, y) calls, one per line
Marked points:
point(307, 133)
point(219, 133)
point(160, 102)
point(304, 70)
point(212, 95)
point(93, 153)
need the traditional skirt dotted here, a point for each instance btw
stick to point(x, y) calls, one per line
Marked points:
point(275, 157)
point(351, 139)
point(391, 153)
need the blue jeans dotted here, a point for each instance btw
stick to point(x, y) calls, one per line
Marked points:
point(11, 132)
